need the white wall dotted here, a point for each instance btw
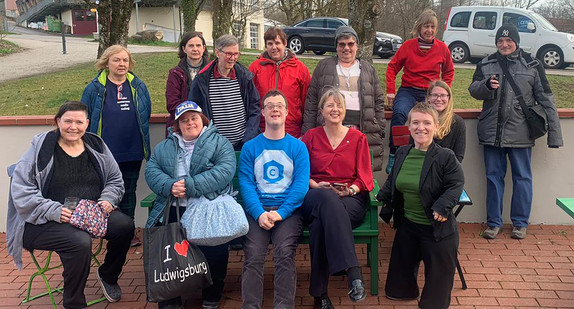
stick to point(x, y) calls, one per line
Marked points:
point(553, 173)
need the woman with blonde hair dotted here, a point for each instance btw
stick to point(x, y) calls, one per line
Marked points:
point(422, 59)
point(451, 132)
point(119, 108)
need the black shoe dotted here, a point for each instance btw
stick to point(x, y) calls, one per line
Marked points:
point(323, 303)
point(111, 291)
point(357, 292)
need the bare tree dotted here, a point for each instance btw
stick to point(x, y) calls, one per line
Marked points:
point(362, 16)
point(190, 10)
point(523, 4)
point(222, 21)
point(242, 10)
point(114, 20)
point(297, 10)
point(557, 9)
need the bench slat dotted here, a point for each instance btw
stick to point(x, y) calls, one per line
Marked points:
point(567, 204)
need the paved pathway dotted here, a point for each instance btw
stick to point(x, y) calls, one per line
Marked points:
point(503, 273)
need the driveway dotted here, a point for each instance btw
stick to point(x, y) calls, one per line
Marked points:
point(43, 53)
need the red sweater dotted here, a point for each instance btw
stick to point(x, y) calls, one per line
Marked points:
point(419, 68)
point(349, 163)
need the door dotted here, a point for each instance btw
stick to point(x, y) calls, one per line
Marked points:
point(83, 22)
point(483, 33)
point(315, 28)
point(526, 28)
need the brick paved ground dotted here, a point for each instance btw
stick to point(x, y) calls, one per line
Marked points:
point(502, 273)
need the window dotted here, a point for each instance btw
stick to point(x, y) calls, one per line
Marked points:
point(484, 20)
point(79, 15)
point(90, 16)
point(254, 34)
point(520, 21)
point(315, 23)
point(460, 20)
point(334, 24)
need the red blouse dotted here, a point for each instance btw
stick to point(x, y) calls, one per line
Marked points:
point(349, 163)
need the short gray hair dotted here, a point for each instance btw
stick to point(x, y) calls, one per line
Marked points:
point(225, 40)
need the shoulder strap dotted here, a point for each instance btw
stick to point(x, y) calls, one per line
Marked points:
point(535, 63)
point(504, 65)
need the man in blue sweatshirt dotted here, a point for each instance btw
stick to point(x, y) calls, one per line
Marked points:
point(274, 178)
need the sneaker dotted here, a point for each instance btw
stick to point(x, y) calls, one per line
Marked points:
point(210, 305)
point(135, 242)
point(112, 291)
point(357, 292)
point(518, 232)
point(390, 163)
point(323, 302)
point(491, 232)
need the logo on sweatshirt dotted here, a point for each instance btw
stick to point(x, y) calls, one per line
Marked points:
point(273, 171)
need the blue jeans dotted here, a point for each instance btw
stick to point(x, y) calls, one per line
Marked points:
point(404, 101)
point(521, 204)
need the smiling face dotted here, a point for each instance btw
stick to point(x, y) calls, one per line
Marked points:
point(347, 49)
point(422, 127)
point(190, 124)
point(332, 111)
point(275, 48)
point(72, 125)
point(274, 111)
point(506, 46)
point(227, 57)
point(194, 49)
point(119, 64)
point(439, 98)
point(428, 31)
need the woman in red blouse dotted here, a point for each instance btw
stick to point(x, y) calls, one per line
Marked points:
point(341, 179)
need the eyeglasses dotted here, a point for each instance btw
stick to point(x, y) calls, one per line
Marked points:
point(342, 45)
point(435, 96)
point(271, 107)
point(229, 55)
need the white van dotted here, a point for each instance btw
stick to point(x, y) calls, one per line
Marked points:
point(469, 32)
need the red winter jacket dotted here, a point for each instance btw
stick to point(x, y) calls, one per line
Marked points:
point(290, 76)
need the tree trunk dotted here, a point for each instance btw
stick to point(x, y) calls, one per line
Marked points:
point(362, 16)
point(190, 10)
point(114, 19)
point(222, 18)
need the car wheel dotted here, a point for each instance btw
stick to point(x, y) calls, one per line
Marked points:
point(319, 52)
point(459, 53)
point(552, 58)
point(296, 45)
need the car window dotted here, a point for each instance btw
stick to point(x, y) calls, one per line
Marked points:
point(334, 24)
point(316, 23)
point(484, 20)
point(520, 21)
point(460, 19)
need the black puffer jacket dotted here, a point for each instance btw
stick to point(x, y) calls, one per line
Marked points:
point(371, 98)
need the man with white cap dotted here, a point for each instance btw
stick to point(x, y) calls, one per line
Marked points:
point(512, 85)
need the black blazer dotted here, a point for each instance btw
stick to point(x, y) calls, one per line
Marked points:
point(441, 184)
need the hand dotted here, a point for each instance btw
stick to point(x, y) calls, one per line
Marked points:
point(66, 215)
point(275, 216)
point(324, 185)
point(342, 191)
point(438, 217)
point(265, 222)
point(494, 83)
point(390, 101)
point(178, 188)
point(107, 206)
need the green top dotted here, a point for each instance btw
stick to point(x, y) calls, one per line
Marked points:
point(407, 183)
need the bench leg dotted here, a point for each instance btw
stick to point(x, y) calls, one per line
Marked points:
point(460, 274)
point(373, 260)
point(41, 271)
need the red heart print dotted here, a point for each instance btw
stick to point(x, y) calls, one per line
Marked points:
point(181, 247)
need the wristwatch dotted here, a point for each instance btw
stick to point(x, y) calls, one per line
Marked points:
point(353, 191)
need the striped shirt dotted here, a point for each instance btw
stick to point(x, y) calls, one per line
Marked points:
point(227, 108)
point(425, 45)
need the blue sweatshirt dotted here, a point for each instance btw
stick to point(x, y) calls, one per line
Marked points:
point(273, 175)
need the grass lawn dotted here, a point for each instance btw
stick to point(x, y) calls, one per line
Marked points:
point(7, 47)
point(43, 94)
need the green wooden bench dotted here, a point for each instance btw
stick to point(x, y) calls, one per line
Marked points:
point(567, 204)
point(367, 233)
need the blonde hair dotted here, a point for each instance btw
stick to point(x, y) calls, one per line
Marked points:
point(423, 108)
point(337, 97)
point(446, 117)
point(428, 16)
point(102, 63)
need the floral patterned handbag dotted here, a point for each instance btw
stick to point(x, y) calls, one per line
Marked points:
point(90, 216)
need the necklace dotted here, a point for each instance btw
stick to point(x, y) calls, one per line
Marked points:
point(346, 77)
point(337, 138)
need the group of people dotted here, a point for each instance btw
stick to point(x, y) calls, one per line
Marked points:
point(310, 166)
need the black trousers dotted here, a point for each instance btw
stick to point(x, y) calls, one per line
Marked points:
point(331, 220)
point(74, 247)
point(217, 258)
point(130, 174)
point(415, 242)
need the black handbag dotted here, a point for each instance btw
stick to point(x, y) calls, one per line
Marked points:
point(173, 267)
point(535, 115)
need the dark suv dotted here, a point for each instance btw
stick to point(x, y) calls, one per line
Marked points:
point(318, 35)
